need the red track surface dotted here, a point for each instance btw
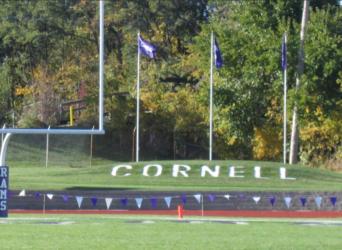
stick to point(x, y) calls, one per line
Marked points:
point(221, 213)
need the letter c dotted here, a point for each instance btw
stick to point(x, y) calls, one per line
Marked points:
point(116, 168)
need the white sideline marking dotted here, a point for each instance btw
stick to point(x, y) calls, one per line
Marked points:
point(241, 223)
point(147, 222)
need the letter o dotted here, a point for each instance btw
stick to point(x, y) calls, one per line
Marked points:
point(157, 166)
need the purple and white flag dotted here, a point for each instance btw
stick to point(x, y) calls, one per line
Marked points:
point(217, 55)
point(283, 54)
point(146, 48)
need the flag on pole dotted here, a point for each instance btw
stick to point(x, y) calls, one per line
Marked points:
point(146, 48)
point(283, 54)
point(217, 56)
point(149, 50)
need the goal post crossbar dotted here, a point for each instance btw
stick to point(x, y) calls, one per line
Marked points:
point(67, 131)
point(46, 131)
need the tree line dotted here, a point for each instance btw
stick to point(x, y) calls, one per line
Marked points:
point(49, 57)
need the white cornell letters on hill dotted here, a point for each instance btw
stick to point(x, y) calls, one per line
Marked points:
point(182, 170)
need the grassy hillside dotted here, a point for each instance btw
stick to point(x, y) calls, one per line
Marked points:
point(99, 176)
point(69, 167)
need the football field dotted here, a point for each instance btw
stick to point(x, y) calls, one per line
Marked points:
point(119, 231)
point(166, 232)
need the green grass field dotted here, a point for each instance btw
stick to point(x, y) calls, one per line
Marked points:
point(113, 232)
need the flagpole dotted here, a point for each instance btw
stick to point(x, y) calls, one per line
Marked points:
point(285, 105)
point(211, 99)
point(138, 104)
point(101, 65)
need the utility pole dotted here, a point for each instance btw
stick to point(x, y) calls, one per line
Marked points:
point(300, 69)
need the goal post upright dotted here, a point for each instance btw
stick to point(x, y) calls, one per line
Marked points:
point(8, 132)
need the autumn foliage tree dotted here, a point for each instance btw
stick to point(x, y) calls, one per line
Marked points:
point(48, 49)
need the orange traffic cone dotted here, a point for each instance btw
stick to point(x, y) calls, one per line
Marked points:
point(180, 212)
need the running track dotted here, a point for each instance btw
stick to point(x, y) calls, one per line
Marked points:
point(218, 213)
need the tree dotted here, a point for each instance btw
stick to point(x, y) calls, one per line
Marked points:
point(5, 92)
point(250, 79)
point(248, 88)
point(52, 47)
point(320, 94)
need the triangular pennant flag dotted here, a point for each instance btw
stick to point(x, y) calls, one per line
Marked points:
point(287, 201)
point(272, 200)
point(108, 202)
point(227, 196)
point(79, 200)
point(318, 201)
point(211, 197)
point(50, 196)
point(168, 201)
point(333, 200)
point(93, 201)
point(65, 198)
point(303, 201)
point(37, 195)
point(183, 199)
point(124, 202)
point(22, 193)
point(256, 199)
point(198, 197)
point(153, 202)
point(139, 202)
